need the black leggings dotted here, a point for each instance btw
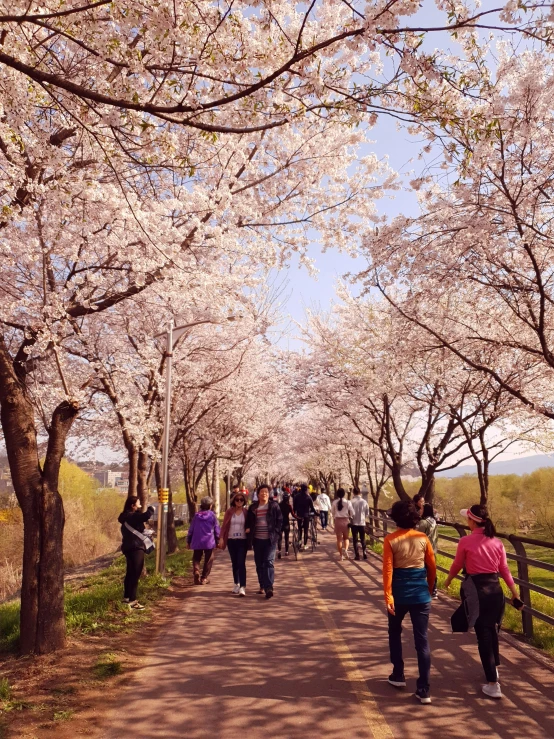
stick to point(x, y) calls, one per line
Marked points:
point(491, 610)
point(135, 563)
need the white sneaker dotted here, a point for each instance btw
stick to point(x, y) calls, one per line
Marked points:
point(242, 591)
point(493, 691)
point(236, 589)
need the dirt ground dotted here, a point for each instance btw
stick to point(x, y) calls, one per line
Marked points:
point(64, 694)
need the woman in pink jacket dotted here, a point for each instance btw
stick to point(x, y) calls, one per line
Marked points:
point(233, 536)
point(482, 557)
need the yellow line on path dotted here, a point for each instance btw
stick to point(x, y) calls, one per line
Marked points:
point(375, 719)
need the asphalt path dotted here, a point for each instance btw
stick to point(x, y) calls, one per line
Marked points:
point(313, 662)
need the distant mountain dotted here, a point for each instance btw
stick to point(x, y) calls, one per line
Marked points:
point(520, 466)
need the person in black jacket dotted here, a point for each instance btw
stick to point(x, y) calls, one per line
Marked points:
point(263, 525)
point(133, 547)
point(286, 511)
point(303, 509)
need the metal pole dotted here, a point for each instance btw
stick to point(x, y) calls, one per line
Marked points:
point(228, 498)
point(163, 493)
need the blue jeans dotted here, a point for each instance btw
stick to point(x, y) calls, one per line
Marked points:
point(419, 613)
point(237, 552)
point(324, 517)
point(264, 556)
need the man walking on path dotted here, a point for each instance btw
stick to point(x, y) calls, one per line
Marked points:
point(361, 511)
point(263, 525)
point(323, 505)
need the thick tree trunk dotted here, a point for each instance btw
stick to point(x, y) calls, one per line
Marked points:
point(42, 619)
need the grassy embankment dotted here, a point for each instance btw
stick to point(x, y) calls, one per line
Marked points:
point(94, 604)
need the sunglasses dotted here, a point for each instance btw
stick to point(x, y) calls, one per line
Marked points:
point(239, 500)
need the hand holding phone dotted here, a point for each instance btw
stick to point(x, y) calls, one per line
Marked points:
point(517, 603)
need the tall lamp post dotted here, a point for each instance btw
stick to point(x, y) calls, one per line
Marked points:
point(173, 334)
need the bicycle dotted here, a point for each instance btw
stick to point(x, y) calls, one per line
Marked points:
point(295, 539)
point(313, 532)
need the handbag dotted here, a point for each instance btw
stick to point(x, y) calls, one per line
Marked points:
point(148, 543)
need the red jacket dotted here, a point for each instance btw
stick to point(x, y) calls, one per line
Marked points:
point(226, 525)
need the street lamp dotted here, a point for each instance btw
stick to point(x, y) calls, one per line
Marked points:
point(173, 334)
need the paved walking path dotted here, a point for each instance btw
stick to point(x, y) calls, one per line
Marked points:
point(313, 662)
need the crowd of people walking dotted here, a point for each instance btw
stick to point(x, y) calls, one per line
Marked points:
point(264, 524)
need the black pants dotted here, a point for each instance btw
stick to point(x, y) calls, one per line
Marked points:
point(237, 552)
point(358, 531)
point(135, 563)
point(419, 614)
point(303, 524)
point(491, 610)
point(324, 518)
point(286, 532)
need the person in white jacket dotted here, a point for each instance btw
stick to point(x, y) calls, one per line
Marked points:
point(342, 513)
point(361, 512)
point(323, 505)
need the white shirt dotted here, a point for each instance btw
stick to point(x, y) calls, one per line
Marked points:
point(323, 502)
point(361, 510)
point(236, 529)
point(347, 510)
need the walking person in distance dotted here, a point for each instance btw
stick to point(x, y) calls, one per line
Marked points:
point(202, 538)
point(483, 558)
point(133, 547)
point(303, 508)
point(409, 573)
point(286, 511)
point(263, 525)
point(323, 505)
point(233, 536)
point(428, 525)
point(361, 512)
point(342, 513)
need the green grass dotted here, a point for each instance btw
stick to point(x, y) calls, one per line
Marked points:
point(5, 689)
point(107, 666)
point(63, 715)
point(94, 605)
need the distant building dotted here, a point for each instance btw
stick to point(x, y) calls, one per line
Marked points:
point(6, 484)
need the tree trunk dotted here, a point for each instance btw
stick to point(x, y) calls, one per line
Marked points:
point(215, 487)
point(142, 479)
point(42, 618)
point(132, 455)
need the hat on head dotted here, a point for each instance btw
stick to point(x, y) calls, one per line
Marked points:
point(468, 513)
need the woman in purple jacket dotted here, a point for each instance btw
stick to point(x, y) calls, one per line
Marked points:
point(203, 537)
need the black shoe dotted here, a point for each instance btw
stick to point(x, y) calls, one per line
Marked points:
point(365, 555)
point(399, 681)
point(278, 555)
point(357, 557)
point(269, 593)
point(423, 696)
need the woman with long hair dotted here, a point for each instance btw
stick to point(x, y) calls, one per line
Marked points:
point(133, 547)
point(233, 536)
point(342, 513)
point(483, 558)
